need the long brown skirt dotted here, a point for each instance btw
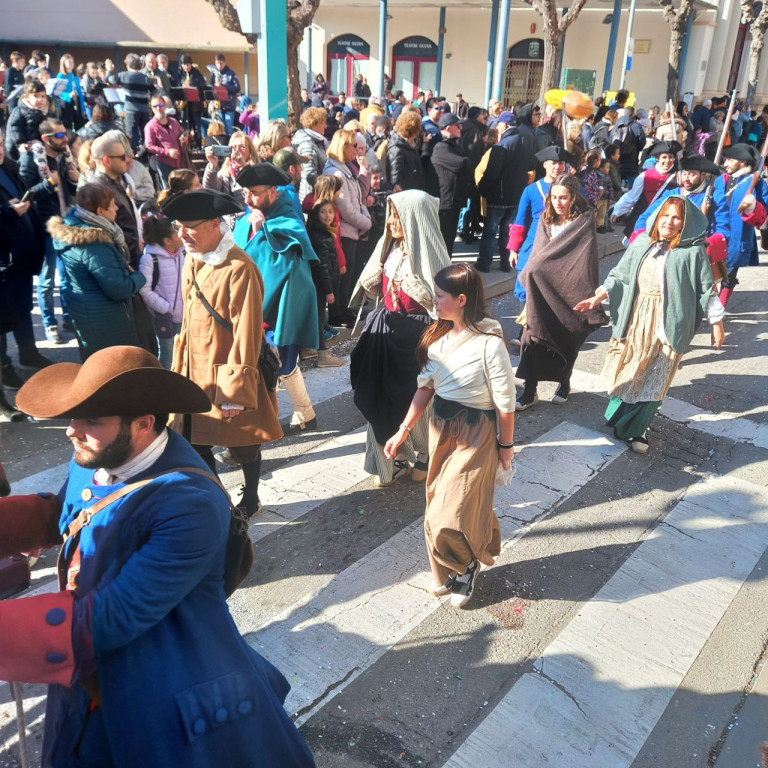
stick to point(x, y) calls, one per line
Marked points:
point(459, 523)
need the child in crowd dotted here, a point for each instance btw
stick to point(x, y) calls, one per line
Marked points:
point(327, 189)
point(612, 152)
point(594, 186)
point(325, 273)
point(161, 264)
point(604, 173)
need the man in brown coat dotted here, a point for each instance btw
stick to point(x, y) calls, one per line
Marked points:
point(220, 339)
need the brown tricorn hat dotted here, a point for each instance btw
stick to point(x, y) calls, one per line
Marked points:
point(116, 381)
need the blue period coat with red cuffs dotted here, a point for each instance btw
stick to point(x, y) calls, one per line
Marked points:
point(150, 633)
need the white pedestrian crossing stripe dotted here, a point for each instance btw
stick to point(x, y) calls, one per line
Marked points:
point(599, 689)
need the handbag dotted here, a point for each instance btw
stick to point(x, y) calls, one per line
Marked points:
point(239, 557)
point(269, 359)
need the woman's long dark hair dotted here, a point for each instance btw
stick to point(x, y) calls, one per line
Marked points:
point(578, 204)
point(456, 279)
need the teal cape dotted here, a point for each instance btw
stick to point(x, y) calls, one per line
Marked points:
point(282, 252)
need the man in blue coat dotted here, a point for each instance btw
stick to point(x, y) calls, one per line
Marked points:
point(145, 662)
point(745, 211)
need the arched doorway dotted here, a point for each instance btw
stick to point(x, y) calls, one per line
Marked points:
point(414, 65)
point(348, 56)
point(525, 67)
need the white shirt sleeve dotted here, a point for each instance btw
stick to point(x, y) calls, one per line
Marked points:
point(627, 201)
point(501, 377)
point(715, 309)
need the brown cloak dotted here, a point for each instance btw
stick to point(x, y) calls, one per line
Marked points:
point(560, 273)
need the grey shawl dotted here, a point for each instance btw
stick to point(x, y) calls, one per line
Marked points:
point(422, 243)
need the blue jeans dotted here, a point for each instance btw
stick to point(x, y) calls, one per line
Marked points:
point(46, 282)
point(496, 227)
point(166, 348)
point(229, 121)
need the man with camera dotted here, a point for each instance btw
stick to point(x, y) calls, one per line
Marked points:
point(51, 174)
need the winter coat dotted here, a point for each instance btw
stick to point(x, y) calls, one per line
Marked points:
point(404, 168)
point(454, 173)
point(355, 219)
point(327, 268)
point(22, 127)
point(472, 140)
point(665, 132)
point(165, 297)
point(601, 135)
point(92, 131)
point(100, 287)
point(311, 145)
point(179, 685)
point(224, 362)
point(48, 199)
point(22, 238)
point(126, 214)
point(506, 175)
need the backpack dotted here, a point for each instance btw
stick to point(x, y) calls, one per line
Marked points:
point(623, 136)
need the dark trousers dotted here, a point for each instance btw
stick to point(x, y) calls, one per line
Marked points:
point(321, 317)
point(449, 224)
point(348, 280)
point(496, 227)
point(134, 127)
point(20, 288)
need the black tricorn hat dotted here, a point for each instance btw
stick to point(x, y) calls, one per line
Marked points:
point(700, 164)
point(262, 175)
point(115, 381)
point(744, 152)
point(555, 153)
point(665, 148)
point(200, 205)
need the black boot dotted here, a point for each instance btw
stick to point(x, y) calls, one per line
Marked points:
point(8, 412)
point(250, 504)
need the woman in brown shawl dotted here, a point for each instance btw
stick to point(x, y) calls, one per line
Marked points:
point(563, 263)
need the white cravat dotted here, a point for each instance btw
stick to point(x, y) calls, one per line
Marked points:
point(135, 466)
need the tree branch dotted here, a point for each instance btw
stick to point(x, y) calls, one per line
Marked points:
point(570, 16)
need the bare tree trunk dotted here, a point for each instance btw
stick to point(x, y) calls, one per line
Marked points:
point(755, 52)
point(552, 42)
point(294, 84)
point(673, 71)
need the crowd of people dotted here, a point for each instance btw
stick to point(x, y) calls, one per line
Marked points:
point(222, 281)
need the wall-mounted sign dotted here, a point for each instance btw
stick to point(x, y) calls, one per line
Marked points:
point(416, 47)
point(531, 49)
point(344, 45)
point(642, 46)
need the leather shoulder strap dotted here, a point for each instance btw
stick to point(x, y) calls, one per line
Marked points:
point(86, 515)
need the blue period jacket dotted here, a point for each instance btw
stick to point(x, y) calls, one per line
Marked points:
point(178, 685)
point(742, 244)
point(523, 232)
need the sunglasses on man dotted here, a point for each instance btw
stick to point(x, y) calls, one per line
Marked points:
point(57, 135)
point(158, 106)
